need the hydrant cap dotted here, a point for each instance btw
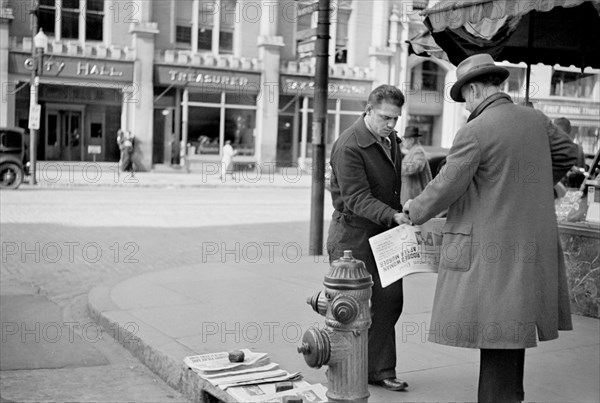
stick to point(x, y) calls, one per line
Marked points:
point(348, 273)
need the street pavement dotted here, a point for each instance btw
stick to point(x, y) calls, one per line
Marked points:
point(244, 285)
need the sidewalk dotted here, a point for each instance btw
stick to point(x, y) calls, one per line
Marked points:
point(51, 174)
point(165, 316)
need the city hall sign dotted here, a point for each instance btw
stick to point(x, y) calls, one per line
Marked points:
point(72, 68)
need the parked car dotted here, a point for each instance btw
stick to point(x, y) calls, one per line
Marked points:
point(13, 157)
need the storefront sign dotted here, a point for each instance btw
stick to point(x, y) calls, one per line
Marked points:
point(72, 67)
point(343, 89)
point(588, 113)
point(94, 149)
point(220, 80)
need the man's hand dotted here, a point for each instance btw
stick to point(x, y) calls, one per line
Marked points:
point(402, 218)
point(405, 208)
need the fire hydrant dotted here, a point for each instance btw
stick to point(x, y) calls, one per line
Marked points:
point(342, 344)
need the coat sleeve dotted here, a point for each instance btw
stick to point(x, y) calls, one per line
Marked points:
point(415, 164)
point(452, 181)
point(355, 190)
point(562, 150)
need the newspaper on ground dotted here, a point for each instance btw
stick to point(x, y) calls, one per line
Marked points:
point(220, 374)
point(207, 363)
point(275, 376)
point(408, 249)
point(267, 393)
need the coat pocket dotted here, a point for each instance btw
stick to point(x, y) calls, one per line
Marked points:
point(457, 246)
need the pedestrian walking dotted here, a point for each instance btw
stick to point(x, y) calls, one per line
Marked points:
point(125, 142)
point(501, 284)
point(227, 160)
point(416, 173)
point(365, 190)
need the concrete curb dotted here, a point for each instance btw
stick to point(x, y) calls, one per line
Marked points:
point(155, 356)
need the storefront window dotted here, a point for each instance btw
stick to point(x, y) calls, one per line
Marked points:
point(515, 84)
point(215, 118)
point(571, 84)
point(341, 114)
point(239, 128)
point(203, 129)
point(589, 138)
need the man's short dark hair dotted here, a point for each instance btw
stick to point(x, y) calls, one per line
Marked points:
point(387, 93)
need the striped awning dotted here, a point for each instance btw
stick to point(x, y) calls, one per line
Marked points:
point(486, 17)
point(552, 32)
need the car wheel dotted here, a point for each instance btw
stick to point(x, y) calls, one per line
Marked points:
point(11, 176)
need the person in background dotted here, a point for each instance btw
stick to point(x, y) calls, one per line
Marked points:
point(416, 173)
point(565, 125)
point(125, 142)
point(575, 177)
point(502, 281)
point(227, 160)
point(365, 191)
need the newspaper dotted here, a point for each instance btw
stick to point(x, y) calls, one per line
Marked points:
point(261, 378)
point(266, 392)
point(220, 361)
point(407, 249)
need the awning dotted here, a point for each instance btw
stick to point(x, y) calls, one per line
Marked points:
point(563, 32)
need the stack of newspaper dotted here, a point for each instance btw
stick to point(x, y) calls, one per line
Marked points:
point(268, 392)
point(256, 369)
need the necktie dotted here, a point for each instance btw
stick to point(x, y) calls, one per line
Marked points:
point(387, 146)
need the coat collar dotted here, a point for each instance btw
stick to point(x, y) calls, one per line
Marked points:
point(365, 138)
point(494, 99)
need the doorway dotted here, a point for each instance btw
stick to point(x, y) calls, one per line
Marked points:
point(64, 133)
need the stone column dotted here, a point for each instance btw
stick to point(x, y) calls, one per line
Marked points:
point(140, 121)
point(6, 90)
point(267, 113)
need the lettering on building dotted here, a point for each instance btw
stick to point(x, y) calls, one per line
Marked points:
point(89, 69)
point(191, 77)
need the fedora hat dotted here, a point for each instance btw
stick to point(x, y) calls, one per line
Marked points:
point(411, 131)
point(475, 66)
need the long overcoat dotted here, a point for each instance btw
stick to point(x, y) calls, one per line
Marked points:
point(501, 280)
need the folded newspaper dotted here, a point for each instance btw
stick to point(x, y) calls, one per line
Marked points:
point(408, 249)
point(220, 361)
point(267, 392)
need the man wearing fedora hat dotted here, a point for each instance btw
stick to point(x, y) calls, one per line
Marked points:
point(501, 283)
point(416, 172)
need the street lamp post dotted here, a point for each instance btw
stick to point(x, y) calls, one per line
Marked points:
point(40, 44)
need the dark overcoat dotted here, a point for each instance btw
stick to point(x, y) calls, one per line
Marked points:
point(365, 188)
point(501, 280)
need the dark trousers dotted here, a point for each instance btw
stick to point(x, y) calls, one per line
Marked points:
point(501, 376)
point(386, 307)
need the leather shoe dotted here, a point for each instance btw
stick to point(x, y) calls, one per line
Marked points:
point(392, 384)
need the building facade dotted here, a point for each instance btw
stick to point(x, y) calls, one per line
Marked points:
point(185, 76)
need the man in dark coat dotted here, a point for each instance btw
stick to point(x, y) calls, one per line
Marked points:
point(501, 281)
point(365, 188)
